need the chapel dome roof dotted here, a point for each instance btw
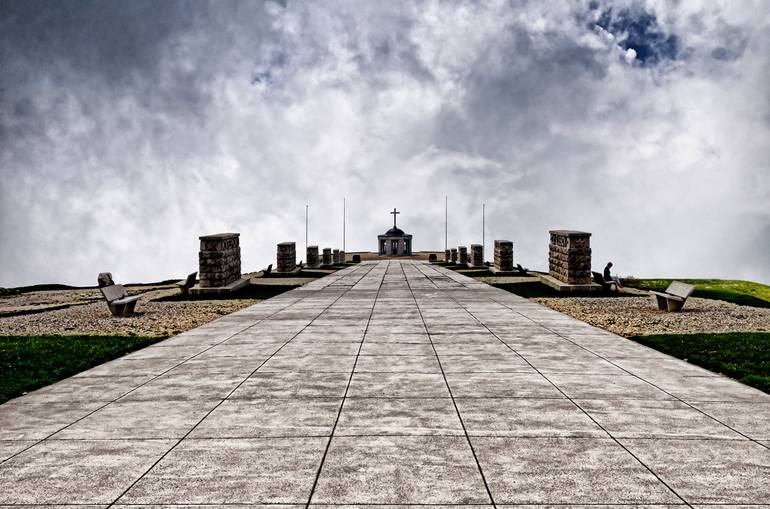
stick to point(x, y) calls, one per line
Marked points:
point(395, 231)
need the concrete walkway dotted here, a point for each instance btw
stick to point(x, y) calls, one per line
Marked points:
point(390, 383)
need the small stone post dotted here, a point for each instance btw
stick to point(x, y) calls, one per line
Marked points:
point(336, 256)
point(326, 257)
point(453, 252)
point(569, 257)
point(462, 252)
point(447, 256)
point(504, 256)
point(312, 256)
point(219, 260)
point(477, 255)
point(286, 258)
point(342, 257)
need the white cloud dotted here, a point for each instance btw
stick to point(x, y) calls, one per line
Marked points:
point(119, 164)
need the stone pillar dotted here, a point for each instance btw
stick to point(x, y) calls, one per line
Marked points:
point(286, 258)
point(447, 256)
point(312, 256)
point(336, 256)
point(477, 255)
point(462, 252)
point(569, 257)
point(343, 260)
point(453, 253)
point(326, 257)
point(503, 256)
point(219, 260)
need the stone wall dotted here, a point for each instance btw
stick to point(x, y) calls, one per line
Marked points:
point(286, 257)
point(477, 255)
point(462, 255)
point(312, 256)
point(569, 258)
point(219, 260)
point(326, 257)
point(503, 255)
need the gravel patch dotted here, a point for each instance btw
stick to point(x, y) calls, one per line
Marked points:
point(152, 318)
point(636, 316)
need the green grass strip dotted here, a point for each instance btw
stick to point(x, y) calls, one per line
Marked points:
point(30, 362)
point(744, 293)
point(744, 356)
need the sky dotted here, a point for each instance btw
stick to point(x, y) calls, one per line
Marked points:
point(128, 129)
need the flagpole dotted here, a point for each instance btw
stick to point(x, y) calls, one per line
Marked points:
point(343, 224)
point(483, 227)
point(446, 222)
point(306, 207)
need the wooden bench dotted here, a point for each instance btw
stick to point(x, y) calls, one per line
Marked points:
point(606, 285)
point(674, 297)
point(119, 302)
point(185, 284)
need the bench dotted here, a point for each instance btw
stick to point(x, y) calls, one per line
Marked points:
point(119, 302)
point(606, 285)
point(185, 284)
point(674, 297)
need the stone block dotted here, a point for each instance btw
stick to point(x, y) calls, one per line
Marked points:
point(336, 256)
point(503, 255)
point(462, 255)
point(286, 257)
point(453, 254)
point(312, 256)
point(326, 256)
point(448, 255)
point(569, 256)
point(219, 259)
point(477, 255)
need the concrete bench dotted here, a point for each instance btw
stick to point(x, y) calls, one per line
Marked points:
point(185, 284)
point(674, 297)
point(606, 285)
point(119, 302)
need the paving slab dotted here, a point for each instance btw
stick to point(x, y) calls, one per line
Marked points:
point(400, 470)
point(389, 384)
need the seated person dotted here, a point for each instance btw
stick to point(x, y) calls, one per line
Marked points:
point(609, 278)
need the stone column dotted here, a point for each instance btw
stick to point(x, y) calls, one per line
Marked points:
point(336, 256)
point(503, 256)
point(569, 257)
point(453, 253)
point(447, 256)
point(286, 258)
point(462, 252)
point(326, 257)
point(342, 257)
point(312, 256)
point(477, 255)
point(219, 260)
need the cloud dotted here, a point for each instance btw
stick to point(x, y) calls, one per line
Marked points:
point(127, 129)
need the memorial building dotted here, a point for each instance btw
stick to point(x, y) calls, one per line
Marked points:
point(395, 242)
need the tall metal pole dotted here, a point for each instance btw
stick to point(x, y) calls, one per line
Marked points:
point(446, 221)
point(306, 228)
point(343, 224)
point(483, 227)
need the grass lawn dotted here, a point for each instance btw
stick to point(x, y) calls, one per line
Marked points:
point(744, 356)
point(30, 362)
point(744, 293)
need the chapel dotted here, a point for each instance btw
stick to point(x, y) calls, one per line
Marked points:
point(395, 242)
